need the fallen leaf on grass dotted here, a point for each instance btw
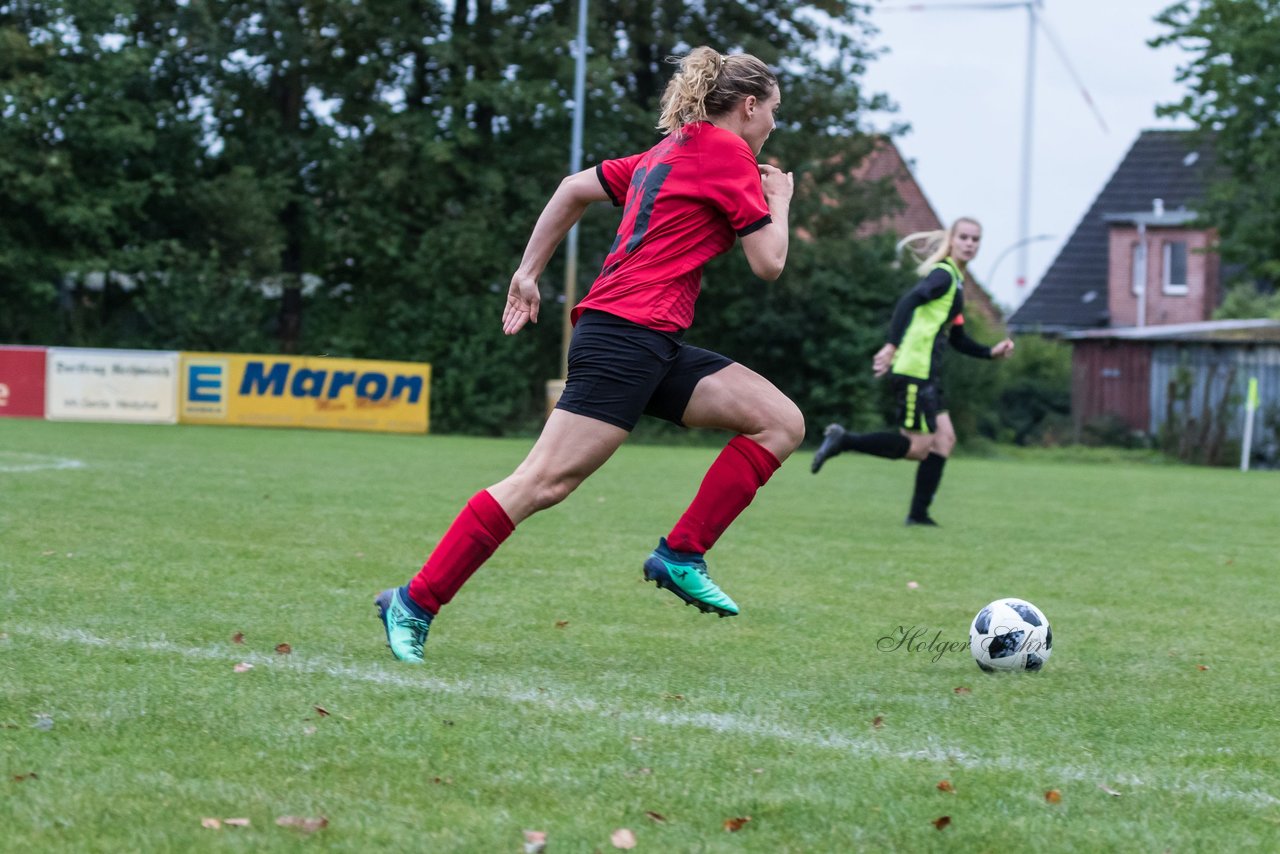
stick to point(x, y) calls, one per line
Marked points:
point(48, 553)
point(941, 822)
point(560, 624)
point(243, 667)
point(306, 824)
point(535, 841)
point(945, 786)
point(877, 721)
point(442, 781)
point(913, 585)
point(283, 648)
point(960, 689)
point(656, 816)
point(211, 823)
point(1053, 796)
point(18, 778)
point(1202, 667)
point(309, 730)
point(673, 696)
point(733, 825)
point(1110, 791)
point(238, 637)
point(236, 822)
point(623, 838)
point(322, 711)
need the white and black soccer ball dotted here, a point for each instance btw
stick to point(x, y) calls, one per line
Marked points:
point(1009, 635)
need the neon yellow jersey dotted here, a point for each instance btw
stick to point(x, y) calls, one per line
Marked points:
point(921, 319)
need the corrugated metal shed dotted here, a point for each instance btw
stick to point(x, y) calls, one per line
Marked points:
point(1217, 376)
point(1111, 378)
point(1197, 373)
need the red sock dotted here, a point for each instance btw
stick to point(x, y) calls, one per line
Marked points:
point(475, 535)
point(730, 484)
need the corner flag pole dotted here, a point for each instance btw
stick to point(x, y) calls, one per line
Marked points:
point(1250, 407)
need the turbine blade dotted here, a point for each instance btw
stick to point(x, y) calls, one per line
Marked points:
point(928, 7)
point(1056, 44)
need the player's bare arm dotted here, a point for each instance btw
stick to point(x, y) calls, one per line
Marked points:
point(566, 206)
point(766, 249)
point(883, 360)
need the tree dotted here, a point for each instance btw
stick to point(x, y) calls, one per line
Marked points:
point(1233, 94)
point(377, 167)
point(449, 154)
point(76, 145)
point(116, 224)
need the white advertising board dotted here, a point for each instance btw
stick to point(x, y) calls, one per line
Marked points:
point(111, 385)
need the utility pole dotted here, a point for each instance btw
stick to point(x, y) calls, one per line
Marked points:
point(1028, 128)
point(555, 387)
point(575, 166)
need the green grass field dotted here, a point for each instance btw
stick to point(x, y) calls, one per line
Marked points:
point(564, 695)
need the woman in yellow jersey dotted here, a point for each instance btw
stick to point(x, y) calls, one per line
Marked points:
point(926, 318)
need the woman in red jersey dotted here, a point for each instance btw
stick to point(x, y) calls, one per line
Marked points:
point(684, 201)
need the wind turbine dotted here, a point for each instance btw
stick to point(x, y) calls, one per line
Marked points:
point(1035, 21)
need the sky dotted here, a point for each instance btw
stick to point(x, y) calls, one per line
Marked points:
point(957, 78)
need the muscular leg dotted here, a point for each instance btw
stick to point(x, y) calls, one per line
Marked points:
point(769, 428)
point(738, 399)
point(932, 449)
point(941, 441)
point(570, 448)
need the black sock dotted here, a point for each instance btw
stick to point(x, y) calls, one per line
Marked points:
point(928, 476)
point(893, 446)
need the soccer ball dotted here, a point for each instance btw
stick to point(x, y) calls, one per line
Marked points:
point(1010, 634)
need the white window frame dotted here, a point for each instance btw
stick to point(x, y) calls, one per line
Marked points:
point(1171, 288)
point(1137, 268)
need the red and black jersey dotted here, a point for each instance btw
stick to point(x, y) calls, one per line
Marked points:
point(685, 201)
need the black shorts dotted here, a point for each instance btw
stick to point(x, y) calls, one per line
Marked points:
point(619, 370)
point(919, 402)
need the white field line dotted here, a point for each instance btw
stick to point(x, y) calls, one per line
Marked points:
point(17, 461)
point(563, 702)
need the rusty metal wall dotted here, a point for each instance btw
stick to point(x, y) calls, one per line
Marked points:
point(1219, 371)
point(1110, 377)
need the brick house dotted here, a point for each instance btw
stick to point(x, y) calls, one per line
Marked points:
point(1136, 258)
point(1134, 291)
point(1160, 269)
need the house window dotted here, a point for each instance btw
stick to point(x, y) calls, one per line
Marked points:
point(1137, 267)
point(1175, 267)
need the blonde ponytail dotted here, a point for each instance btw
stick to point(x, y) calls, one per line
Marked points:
point(929, 247)
point(708, 84)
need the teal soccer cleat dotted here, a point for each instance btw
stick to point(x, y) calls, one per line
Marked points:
point(685, 574)
point(406, 623)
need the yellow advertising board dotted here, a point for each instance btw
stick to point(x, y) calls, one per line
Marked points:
point(304, 391)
